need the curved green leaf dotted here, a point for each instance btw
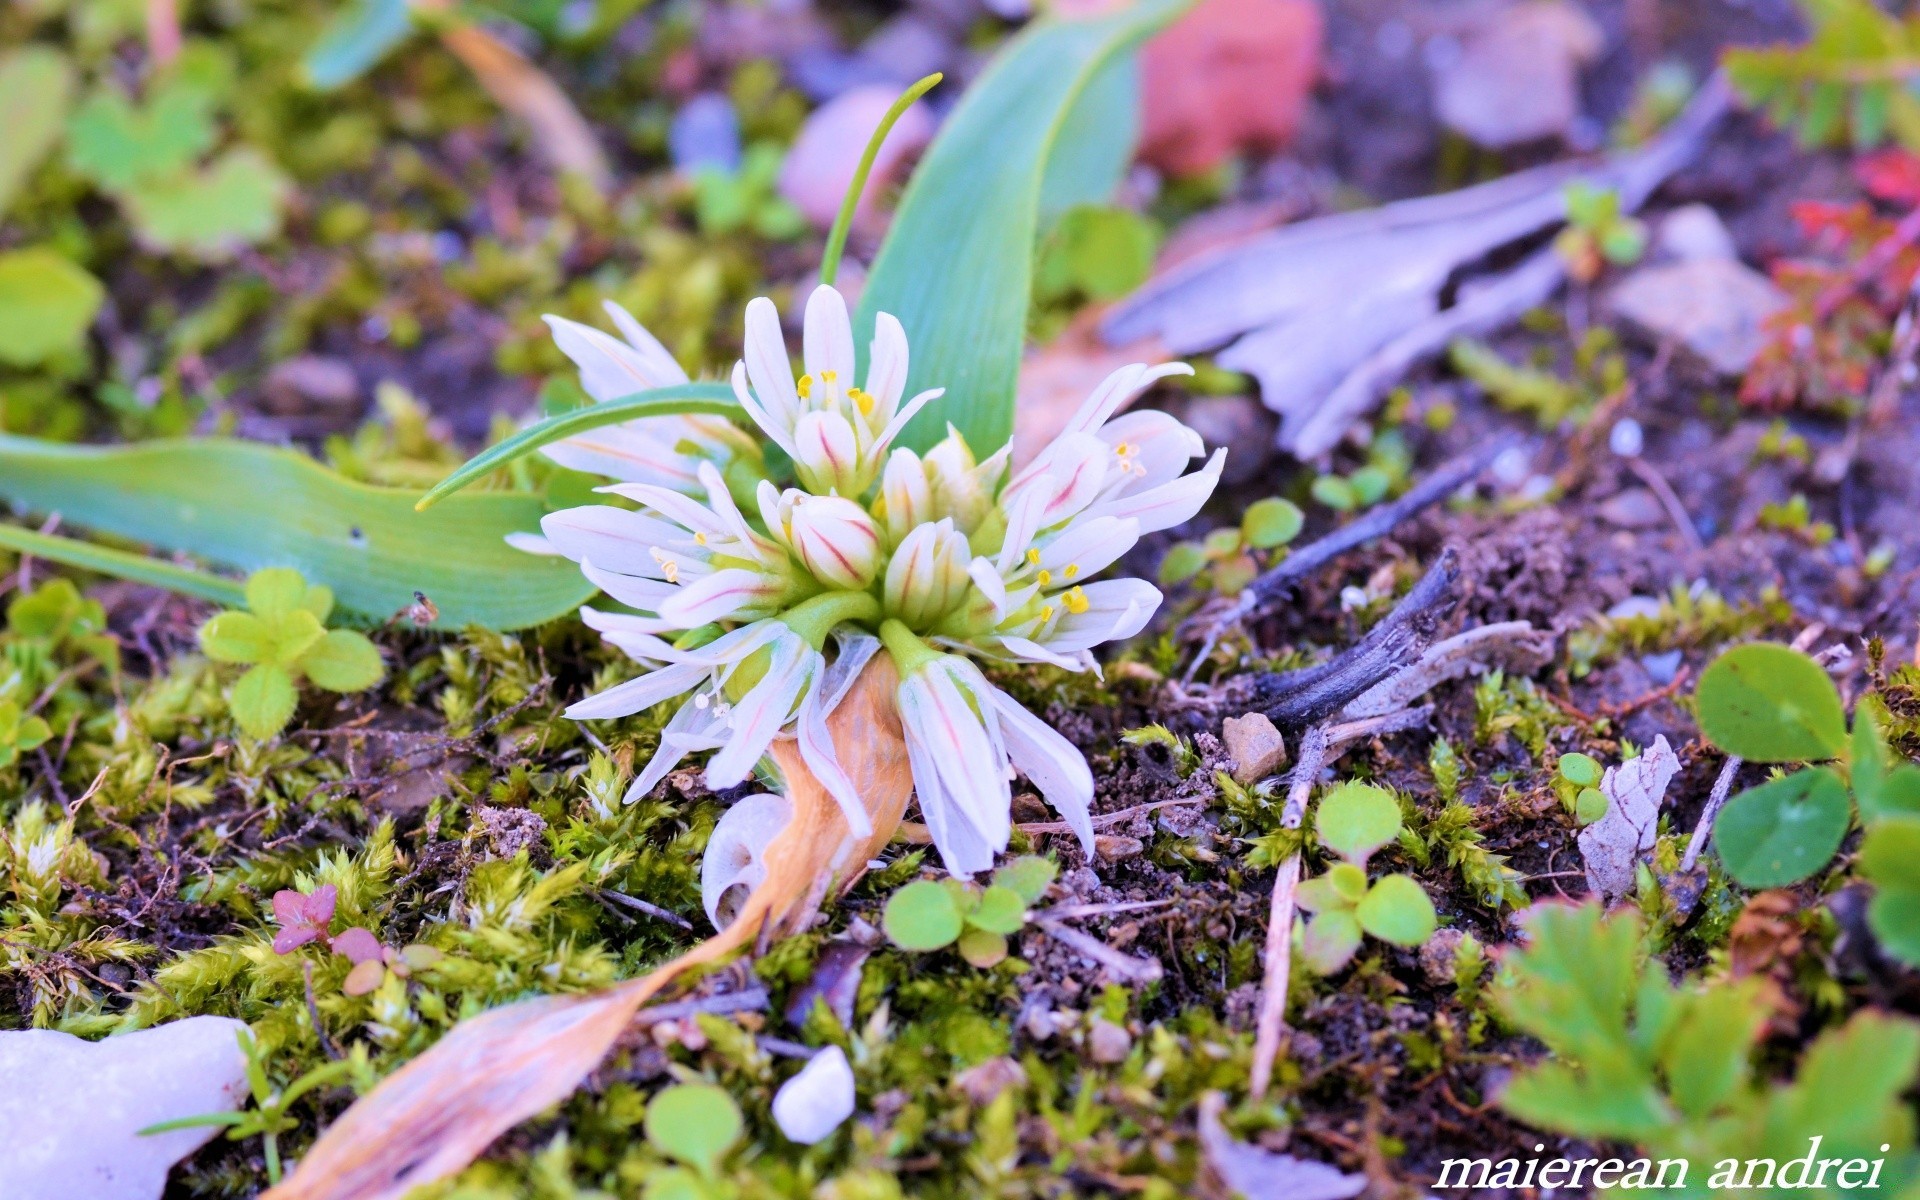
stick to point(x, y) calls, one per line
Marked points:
point(359, 37)
point(957, 265)
point(1784, 830)
point(710, 399)
point(249, 506)
point(1355, 819)
point(1770, 703)
point(122, 565)
point(1397, 910)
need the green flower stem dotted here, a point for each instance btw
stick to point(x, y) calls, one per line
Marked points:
point(816, 618)
point(837, 239)
point(910, 654)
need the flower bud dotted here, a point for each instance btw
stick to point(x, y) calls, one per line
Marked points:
point(927, 576)
point(835, 540)
point(905, 494)
point(826, 455)
point(962, 488)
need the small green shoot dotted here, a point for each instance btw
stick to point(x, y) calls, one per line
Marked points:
point(283, 638)
point(1353, 821)
point(1597, 233)
point(931, 915)
point(1228, 555)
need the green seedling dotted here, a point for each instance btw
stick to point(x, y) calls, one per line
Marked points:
point(1577, 782)
point(932, 915)
point(1598, 233)
point(1353, 821)
point(1228, 556)
point(283, 639)
point(1846, 85)
point(1794, 516)
point(1386, 468)
point(695, 1124)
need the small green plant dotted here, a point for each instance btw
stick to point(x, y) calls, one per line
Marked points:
point(746, 198)
point(695, 1124)
point(1228, 555)
point(1598, 233)
point(932, 915)
point(1353, 821)
point(1850, 84)
point(282, 638)
point(20, 733)
point(1795, 517)
point(1635, 1058)
point(1094, 252)
point(1388, 461)
point(270, 1115)
point(1577, 782)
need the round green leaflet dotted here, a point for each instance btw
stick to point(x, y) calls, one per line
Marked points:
point(696, 1123)
point(1397, 910)
point(922, 916)
point(1355, 819)
point(1770, 703)
point(1784, 830)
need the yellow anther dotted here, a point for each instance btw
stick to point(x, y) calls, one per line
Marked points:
point(700, 538)
point(668, 567)
point(806, 386)
point(1072, 570)
point(1033, 557)
point(862, 399)
point(1043, 578)
point(1076, 600)
point(1046, 613)
point(829, 376)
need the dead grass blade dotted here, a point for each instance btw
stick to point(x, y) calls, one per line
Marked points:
point(560, 133)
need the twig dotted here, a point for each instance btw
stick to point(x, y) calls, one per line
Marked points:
point(652, 910)
point(748, 1000)
point(313, 1013)
point(1123, 966)
point(1271, 585)
point(1063, 912)
point(1340, 736)
point(1670, 500)
point(1279, 949)
point(1299, 698)
point(1104, 820)
point(1716, 800)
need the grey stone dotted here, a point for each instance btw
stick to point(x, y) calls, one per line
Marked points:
point(73, 1109)
point(1712, 307)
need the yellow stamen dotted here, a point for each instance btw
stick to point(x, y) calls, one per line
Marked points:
point(1043, 578)
point(668, 567)
point(1076, 601)
point(806, 386)
point(700, 538)
point(1033, 557)
point(861, 398)
point(1072, 570)
point(829, 376)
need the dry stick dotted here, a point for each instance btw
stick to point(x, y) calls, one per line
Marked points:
point(1123, 966)
point(1279, 952)
point(1270, 586)
point(1669, 499)
point(1716, 800)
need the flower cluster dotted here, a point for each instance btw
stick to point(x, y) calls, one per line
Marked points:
point(760, 604)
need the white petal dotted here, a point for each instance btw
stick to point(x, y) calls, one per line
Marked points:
point(716, 597)
point(763, 712)
point(777, 426)
point(825, 445)
point(616, 539)
point(532, 543)
point(636, 694)
point(962, 850)
point(1162, 446)
point(1019, 649)
point(988, 580)
point(737, 849)
point(1090, 544)
point(828, 337)
point(817, 750)
point(1116, 389)
point(637, 452)
point(767, 363)
point(813, 1103)
point(691, 722)
point(632, 590)
point(1169, 504)
point(887, 369)
point(1053, 763)
point(1116, 609)
point(609, 369)
point(907, 412)
point(658, 362)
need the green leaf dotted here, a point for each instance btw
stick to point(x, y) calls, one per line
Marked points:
point(712, 399)
point(46, 305)
point(343, 661)
point(922, 916)
point(1706, 1056)
point(1880, 787)
point(1330, 940)
point(1000, 910)
point(983, 948)
point(245, 505)
point(1336, 493)
point(1271, 522)
point(1095, 144)
point(1582, 770)
point(1890, 858)
point(355, 39)
point(1770, 703)
point(122, 565)
point(1397, 910)
point(957, 265)
point(211, 212)
point(275, 592)
point(1097, 252)
point(1027, 877)
point(1784, 830)
point(1183, 561)
point(36, 85)
point(118, 146)
point(696, 1123)
point(1355, 819)
point(263, 700)
point(236, 637)
point(1589, 806)
point(31, 732)
point(1348, 882)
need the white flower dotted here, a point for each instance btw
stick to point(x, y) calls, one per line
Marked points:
point(832, 537)
point(812, 1104)
point(665, 451)
point(837, 434)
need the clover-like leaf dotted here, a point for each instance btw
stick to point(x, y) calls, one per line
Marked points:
point(1784, 830)
point(983, 948)
point(276, 591)
point(236, 637)
point(293, 635)
point(922, 916)
point(211, 212)
point(1348, 882)
point(1330, 940)
point(695, 1123)
point(1027, 877)
point(1271, 522)
point(1581, 770)
point(343, 661)
point(1355, 819)
point(1397, 910)
point(263, 700)
point(46, 305)
point(118, 146)
point(999, 910)
point(1880, 787)
point(1770, 703)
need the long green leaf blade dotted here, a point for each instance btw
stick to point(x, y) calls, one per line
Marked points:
point(957, 266)
point(122, 564)
point(246, 506)
point(710, 399)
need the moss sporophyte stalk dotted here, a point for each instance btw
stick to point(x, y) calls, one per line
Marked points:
point(758, 605)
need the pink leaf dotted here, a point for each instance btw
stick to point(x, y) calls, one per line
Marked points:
point(359, 945)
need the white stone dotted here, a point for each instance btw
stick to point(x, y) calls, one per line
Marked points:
point(812, 1104)
point(72, 1109)
point(1712, 307)
point(1257, 748)
point(1694, 231)
point(1516, 78)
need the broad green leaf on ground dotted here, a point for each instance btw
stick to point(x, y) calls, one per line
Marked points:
point(211, 212)
point(36, 85)
point(122, 564)
point(46, 304)
point(1355, 819)
point(696, 1123)
point(1770, 703)
point(1397, 910)
point(1784, 830)
point(957, 265)
point(359, 36)
point(922, 916)
point(1890, 859)
point(249, 506)
point(118, 145)
point(713, 399)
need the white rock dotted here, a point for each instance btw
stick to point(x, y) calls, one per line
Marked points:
point(1694, 231)
point(812, 1104)
point(72, 1109)
point(1713, 307)
point(1516, 78)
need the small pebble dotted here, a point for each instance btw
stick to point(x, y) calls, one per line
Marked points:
point(1256, 746)
point(1107, 1042)
point(1626, 438)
